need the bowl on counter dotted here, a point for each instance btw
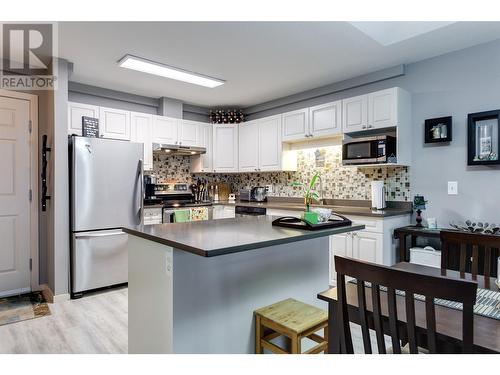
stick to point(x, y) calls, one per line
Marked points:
point(323, 213)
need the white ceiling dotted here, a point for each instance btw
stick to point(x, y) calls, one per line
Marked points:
point(260, 61)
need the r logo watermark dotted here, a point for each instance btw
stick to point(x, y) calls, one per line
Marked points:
point(27, 54)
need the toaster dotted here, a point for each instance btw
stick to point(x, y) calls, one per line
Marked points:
point(245, 195)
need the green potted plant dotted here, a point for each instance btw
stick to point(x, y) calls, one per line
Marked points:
point(309, 195)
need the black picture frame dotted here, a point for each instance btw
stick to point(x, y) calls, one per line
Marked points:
point(472, 124)
point(430, 124)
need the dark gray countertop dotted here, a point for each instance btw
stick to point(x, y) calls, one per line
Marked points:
point(225, 236)
point(344, 210)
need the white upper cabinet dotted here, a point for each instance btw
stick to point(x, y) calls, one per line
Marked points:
point(189, 133)
point(75, 113)
point(355, 114)
point(141, 127)
point(248, 146)
point(295, 125)
point(207, 142)
point(114, 123)
point(204, 163)
point(225, 147)
point(270, 144)
point(377, 110)
point(382, 109)
point(325, 119)
point(165, 130)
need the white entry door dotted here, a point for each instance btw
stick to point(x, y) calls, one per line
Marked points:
point(15, 170)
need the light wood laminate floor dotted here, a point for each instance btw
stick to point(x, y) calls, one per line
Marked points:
point(96, 323)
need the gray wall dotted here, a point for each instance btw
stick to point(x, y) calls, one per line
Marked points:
point(99, 96)
point(454, 84)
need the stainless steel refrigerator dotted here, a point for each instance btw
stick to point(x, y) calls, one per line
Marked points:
point(106, 195)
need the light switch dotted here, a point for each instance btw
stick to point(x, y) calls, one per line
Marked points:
point(452, 187)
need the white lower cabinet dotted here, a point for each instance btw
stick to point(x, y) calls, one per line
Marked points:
point(223, 212)
point(367, 246)
point(362, 245)
point(372, 244)
point(141, 125)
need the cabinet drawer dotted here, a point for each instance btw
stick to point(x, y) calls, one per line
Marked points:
point(371, 224)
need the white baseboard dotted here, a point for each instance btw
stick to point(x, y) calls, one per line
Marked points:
point(14, 292)
point(51, 298)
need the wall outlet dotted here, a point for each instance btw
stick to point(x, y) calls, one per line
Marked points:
point(452, 187)
point(269, 189)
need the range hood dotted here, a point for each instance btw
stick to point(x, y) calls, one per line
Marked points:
point(164, 148)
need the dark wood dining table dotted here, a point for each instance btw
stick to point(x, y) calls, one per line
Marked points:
point(448, 320)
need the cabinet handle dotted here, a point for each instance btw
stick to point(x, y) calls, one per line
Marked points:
point(363, 127)
point(370, 126)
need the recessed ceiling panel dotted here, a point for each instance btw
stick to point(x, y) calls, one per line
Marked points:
point(387, 33)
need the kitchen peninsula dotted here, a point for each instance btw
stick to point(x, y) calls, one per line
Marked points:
point(193, 287)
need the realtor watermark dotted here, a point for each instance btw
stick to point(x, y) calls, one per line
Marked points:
point(27, 56)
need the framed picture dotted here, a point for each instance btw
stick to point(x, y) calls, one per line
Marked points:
point(483, 138)
point(438, 130)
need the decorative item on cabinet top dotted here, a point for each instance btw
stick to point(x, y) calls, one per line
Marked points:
point(228, 116)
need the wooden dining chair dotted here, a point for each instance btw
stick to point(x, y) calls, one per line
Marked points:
point(488, 244)
point(411, 283)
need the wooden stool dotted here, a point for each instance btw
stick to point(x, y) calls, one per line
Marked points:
point(294, 320)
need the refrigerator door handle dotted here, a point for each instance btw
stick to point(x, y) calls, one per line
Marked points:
point(141, 197)
point(89, 235)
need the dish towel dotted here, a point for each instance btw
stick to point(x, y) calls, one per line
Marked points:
point(181, 216)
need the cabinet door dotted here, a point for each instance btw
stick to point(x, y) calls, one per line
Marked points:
point(248, 146)
point(367, 246)
point(225, 148)
point(165, 130)
point(355, 114)
point(114, 123)
point(382, 108)
point(75, 113)
point(341, 245)
point(206, 159)
point(325, 119)
point(270, 146)
point(295, 125)
point(141, 131)
point(189, 133)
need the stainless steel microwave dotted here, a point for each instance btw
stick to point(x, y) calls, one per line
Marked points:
point(370, 150)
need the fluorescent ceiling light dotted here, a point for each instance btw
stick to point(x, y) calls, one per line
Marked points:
point(151, 67)
point(387, 33)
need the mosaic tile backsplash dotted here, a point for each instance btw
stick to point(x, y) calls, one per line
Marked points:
point(338, 182)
